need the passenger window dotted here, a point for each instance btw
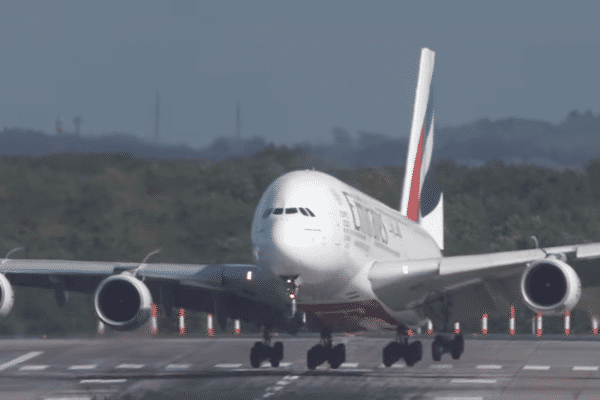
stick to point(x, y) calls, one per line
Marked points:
point(278, 211)
point(266, 214)
point(302, 211)
point(310, 212)
point(291, 211)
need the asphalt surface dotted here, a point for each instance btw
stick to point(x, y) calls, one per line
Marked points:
point(219, 368)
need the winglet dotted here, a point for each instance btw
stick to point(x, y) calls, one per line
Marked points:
point(418, 159)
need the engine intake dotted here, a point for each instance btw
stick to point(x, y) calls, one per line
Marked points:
point(550, 286)
point(7, 296)
point(123, 301)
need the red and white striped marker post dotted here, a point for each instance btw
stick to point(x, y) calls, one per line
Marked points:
point(236, 326)
point(511, 321)
point(538, 324)
point(181, 322)
point(209, 326)
point(100, 328)
point(594, 325)
point(457, 328)
point(429, 327)
point(567, 322)
point(153, 322)
point(484, 324)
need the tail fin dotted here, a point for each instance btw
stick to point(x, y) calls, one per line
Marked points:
point(417, 161)
point(419, 156)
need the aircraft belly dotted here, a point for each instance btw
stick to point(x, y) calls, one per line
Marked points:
point(367, 315)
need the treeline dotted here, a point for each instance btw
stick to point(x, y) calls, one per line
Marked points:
point(117, 207)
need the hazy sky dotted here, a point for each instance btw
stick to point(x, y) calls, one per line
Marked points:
point(298, 68)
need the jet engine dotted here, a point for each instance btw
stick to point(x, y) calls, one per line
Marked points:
point(7, 296)
point(550, 286)
point(123, 302)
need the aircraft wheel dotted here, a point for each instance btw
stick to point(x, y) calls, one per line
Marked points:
point(457, 347)
point(256, 354)
point(314, 356)
point(413, 353)
point(436, 350)
point(337, 356)
point(276, 354)
point(391, 353)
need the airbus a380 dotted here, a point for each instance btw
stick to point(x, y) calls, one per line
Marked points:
point(337, 259)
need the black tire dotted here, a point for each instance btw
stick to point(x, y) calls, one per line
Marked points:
point(412, 354)
point(457, 347)
point(314, 357)
point(392, 353)
point(419, 350)
point(337, 356)
point(256, 353)
point(276, 354)
point(436, 350)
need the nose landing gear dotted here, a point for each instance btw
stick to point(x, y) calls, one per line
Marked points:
point(262, 351)
point(400, 348)
point(325, 351)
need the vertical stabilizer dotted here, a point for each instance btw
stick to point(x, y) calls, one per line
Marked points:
point(419, 147)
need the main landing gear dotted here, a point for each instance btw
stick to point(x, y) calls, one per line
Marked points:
point(325, 351)
point(262, 351)
point(400, 348)
point(453, 344)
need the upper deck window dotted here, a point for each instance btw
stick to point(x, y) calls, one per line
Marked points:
point(267, 212)
point(303, 211)
point(291, 210)
point(278, 211)
point(310, 212)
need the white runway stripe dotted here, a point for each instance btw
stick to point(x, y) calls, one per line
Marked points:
point(441, 366)
point(349, 365)
point(177, 366)
point(68, 398)
point(129, 366)
point(33, 367)
point(537, 367)
point(458, 398)
point(489, 366)
point(585, 368)
point(466, 380)
point(281, 365)
point(103, 381)
point(87, 366)
point(19, 360)
point(228, 365)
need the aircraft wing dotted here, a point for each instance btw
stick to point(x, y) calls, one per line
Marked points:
point(241, 291)
point(467, 286)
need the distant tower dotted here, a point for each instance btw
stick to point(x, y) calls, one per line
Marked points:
point(59, 126)
point(238, 119)
point(77, 123)
point(157, 117)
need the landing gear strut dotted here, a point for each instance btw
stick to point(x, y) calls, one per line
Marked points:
point(325, 351)
point(400, 348)
point(262, 351)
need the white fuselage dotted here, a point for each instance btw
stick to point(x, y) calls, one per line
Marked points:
point(330, 253)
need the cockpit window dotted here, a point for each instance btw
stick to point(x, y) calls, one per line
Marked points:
point(310, 212)
point(303, 211)
point(291, 210)
point(278, 211)
point(267, 212)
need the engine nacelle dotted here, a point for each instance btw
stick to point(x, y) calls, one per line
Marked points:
point(7, 296)
point(123, 302)
point(550, 286)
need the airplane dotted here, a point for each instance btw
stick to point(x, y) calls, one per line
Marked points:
point(330, 256)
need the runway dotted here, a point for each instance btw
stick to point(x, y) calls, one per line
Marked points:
point(220, 368)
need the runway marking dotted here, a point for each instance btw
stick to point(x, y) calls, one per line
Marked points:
point(585, 368)
point(281, 365)
point(68, 398)
point(349, 365)
point(103, 380)
point(129, 366)
point(489, 366)
point(33, 367)
point(20, 359)
point(441, 366)
point(536, 367)
point(458, 398)
point(286, 380)
point(178, 366)
point(467, 380)
point(393, 366)
point(228, 365)
point(87, 366)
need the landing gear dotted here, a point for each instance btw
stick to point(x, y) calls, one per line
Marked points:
point(325, 351)
point(262, 351)
point(400, 348)
point(447, 344)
